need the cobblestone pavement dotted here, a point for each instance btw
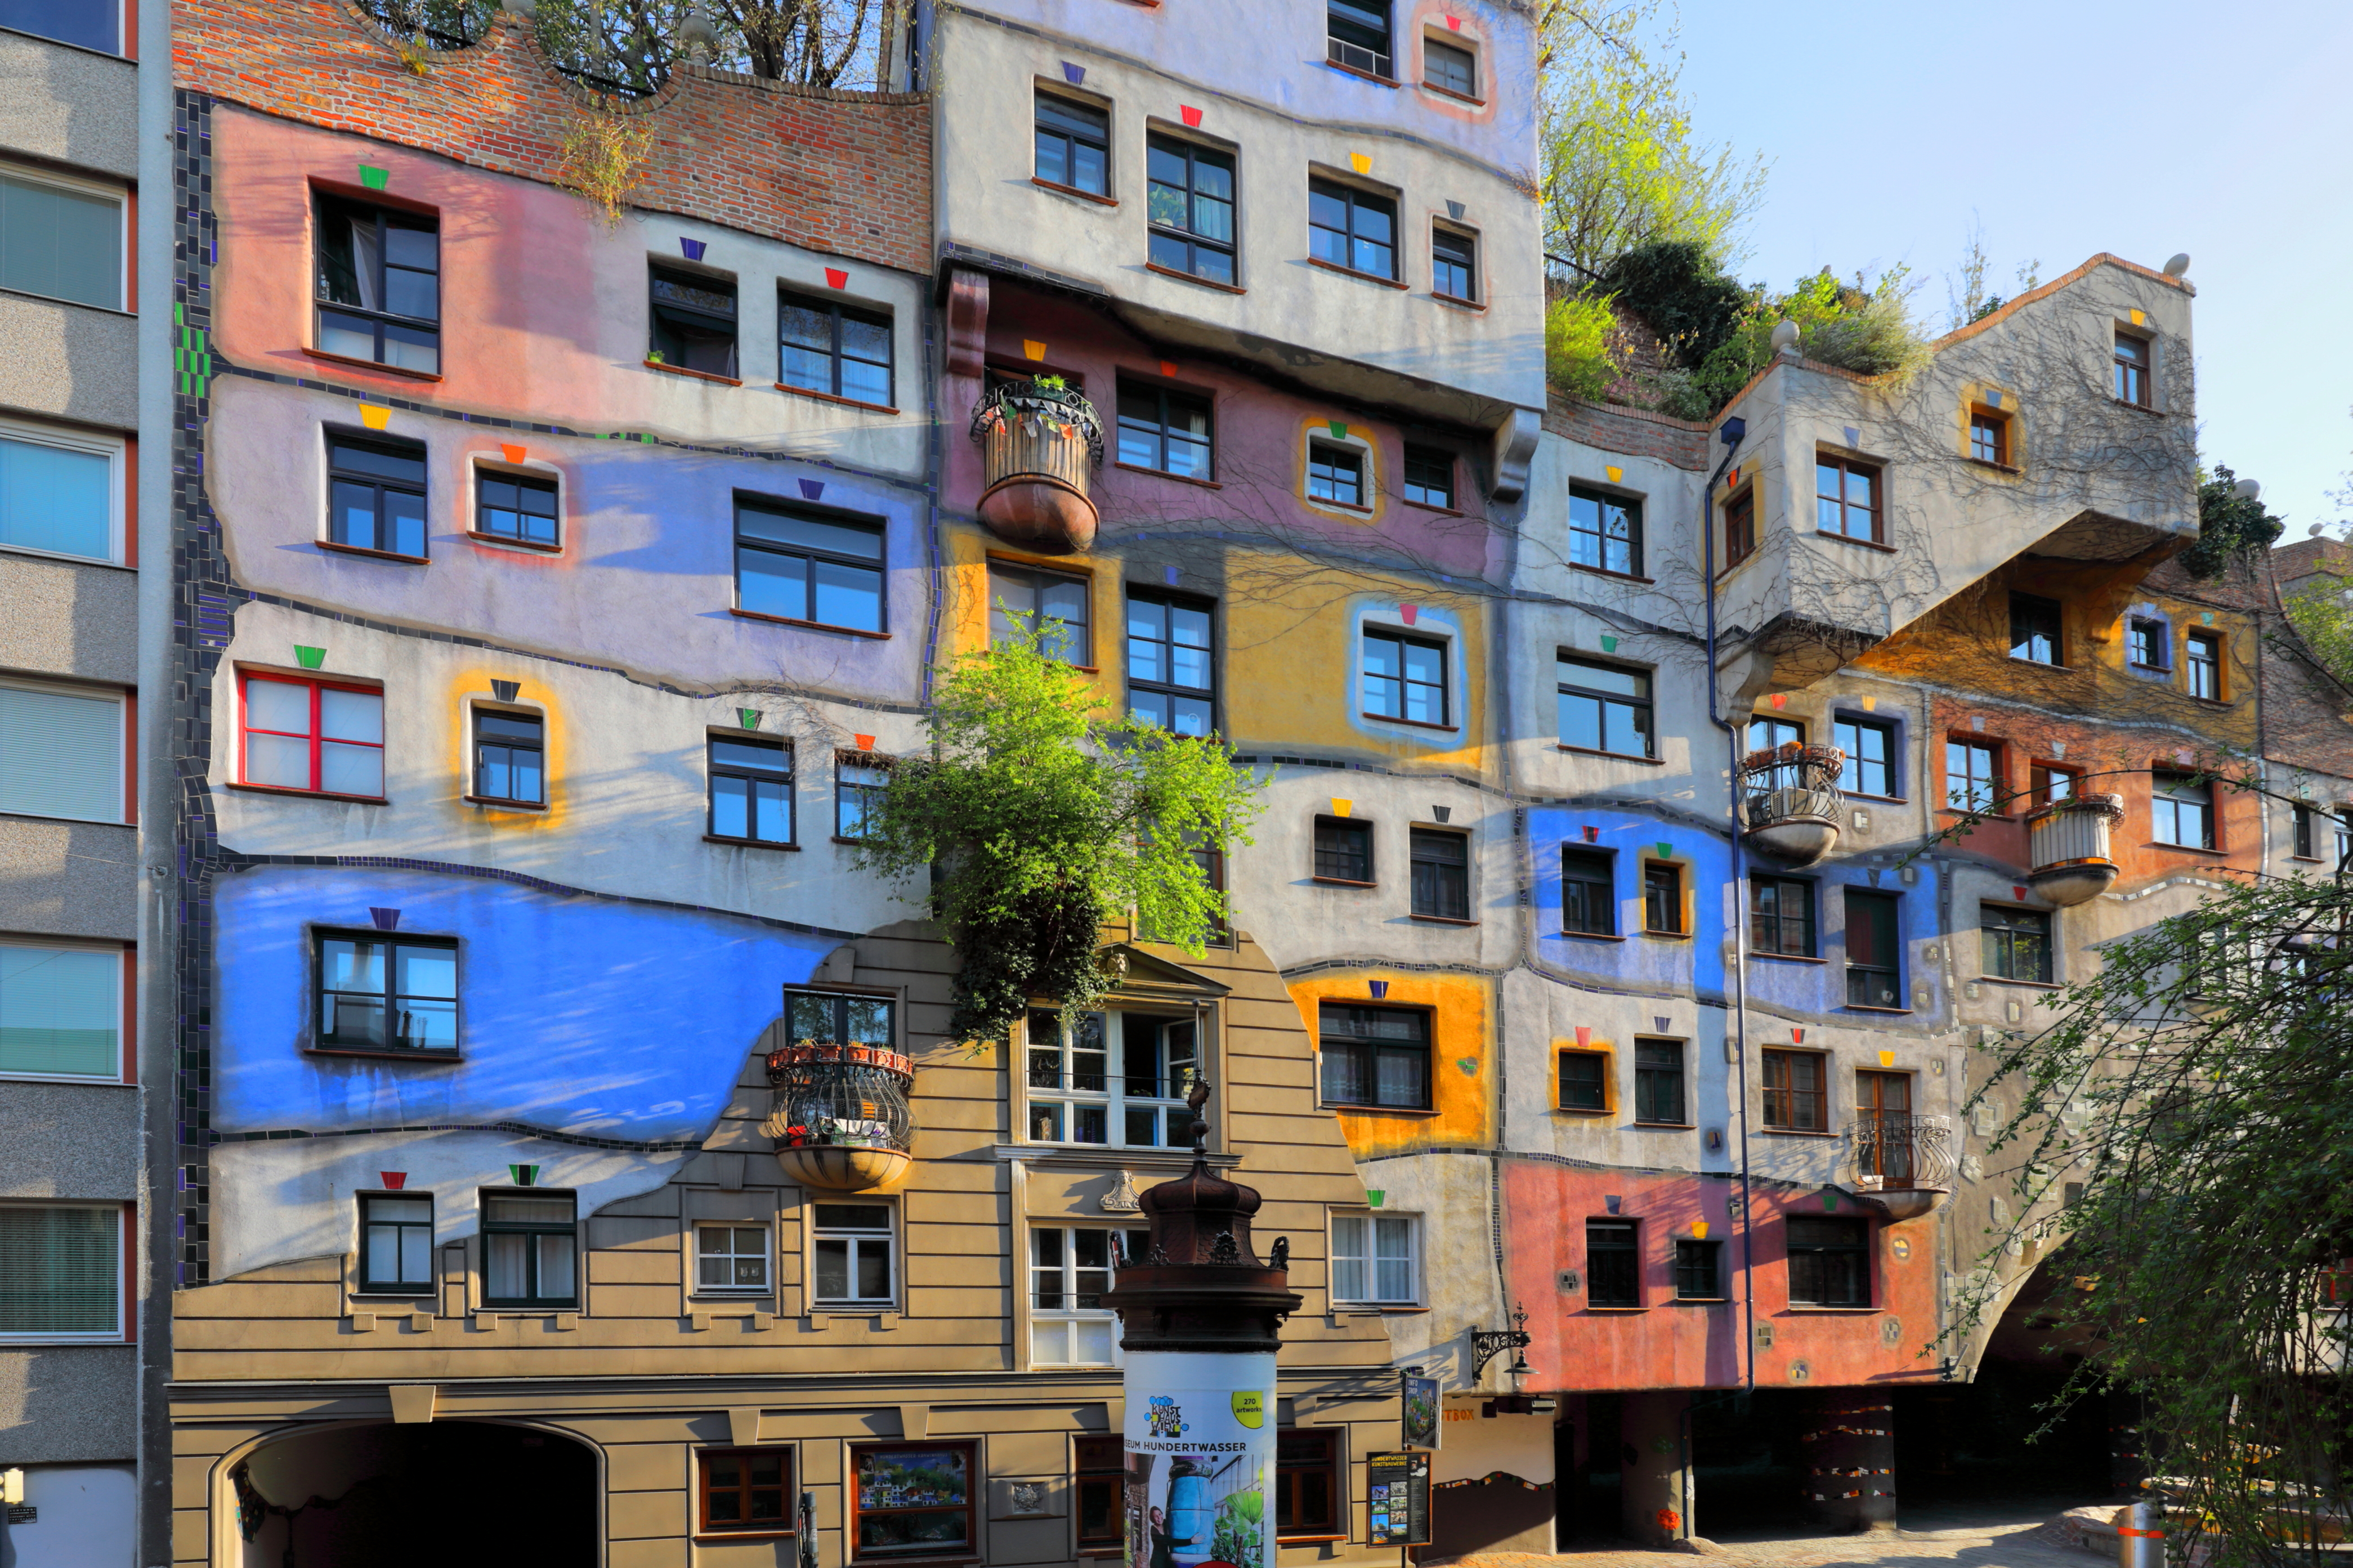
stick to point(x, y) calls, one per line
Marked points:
point(1980, 1538)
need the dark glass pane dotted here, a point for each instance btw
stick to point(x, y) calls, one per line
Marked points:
point(406, 465)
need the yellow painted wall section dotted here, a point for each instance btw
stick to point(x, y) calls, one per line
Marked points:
point(472, 687)
point(1462, 1057)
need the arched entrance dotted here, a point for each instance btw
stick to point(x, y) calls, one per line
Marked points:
point(449, 1493)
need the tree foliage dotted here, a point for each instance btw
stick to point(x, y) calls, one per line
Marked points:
point(2230, 526)
point(1039, 819)
point(627, 48)
point(1581, 355)
point(2323, 620)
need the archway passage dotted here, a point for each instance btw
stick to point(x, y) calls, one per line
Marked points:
point(444, 1492)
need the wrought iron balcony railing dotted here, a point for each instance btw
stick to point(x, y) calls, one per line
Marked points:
point(1790, 800)
point(1890, 1151)
point(839, 1113)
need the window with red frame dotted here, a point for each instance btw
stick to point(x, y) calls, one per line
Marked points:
point(317, 736)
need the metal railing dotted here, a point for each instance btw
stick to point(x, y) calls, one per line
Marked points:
point(1786, 781)
point(1894, 1151)
point(1133, 1086)
point(1357, 57)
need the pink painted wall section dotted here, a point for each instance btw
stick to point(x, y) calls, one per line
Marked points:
point(1670, 1344)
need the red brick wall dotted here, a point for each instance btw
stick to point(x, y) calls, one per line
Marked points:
point(848, 173)
point(1629, 432)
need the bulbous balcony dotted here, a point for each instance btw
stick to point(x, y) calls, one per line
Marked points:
point(2068, 841)
point(1789, 801)
point(840, 1117)
point(1900, 1164)
point(1040, 445)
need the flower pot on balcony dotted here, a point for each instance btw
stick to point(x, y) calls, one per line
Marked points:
point(1039, 444)
point(2068, 840)
point(1789, 801)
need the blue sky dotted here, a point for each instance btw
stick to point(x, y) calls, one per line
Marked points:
point(2065, 129)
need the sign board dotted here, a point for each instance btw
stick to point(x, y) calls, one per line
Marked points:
point(1422, 1408)
point(1200, 1440)
point(1397, 1494)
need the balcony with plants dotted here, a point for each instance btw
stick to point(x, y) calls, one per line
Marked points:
point(1041, 441)
point(1789, 801)
point(839, 1114)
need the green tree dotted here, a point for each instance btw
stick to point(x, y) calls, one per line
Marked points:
point(629, 45)
point(2231, 525)
point(1039, 819)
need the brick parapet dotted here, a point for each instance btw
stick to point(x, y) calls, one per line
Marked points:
point(1630, 432)
point(847, 173)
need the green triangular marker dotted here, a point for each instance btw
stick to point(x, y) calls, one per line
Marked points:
point(310, 658)
point(374, 179)
point(1666, 850)
point(1830, 1201)
point(524, 1175)
point(751, 717)
point(1339, 428)
point(1608, 644)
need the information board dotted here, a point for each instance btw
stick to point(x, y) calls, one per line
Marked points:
point(1398, 1491)
point(1424, 1412)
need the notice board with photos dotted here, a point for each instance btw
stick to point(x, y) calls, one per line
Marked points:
point(1398, 1491)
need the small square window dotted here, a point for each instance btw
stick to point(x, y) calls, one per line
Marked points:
point(383, 993)
point(1358, 31)
point(1051, 604)
point(2145, 642)
point(375, 495)
point(1588, 894)
point(2034, 625)
point(1449, 69)
point(693, 321)
point(516, 507)
point(379, 284)
point(1429, 476)
point(397, 1244)
point(1797, 1099)
point(1344, 849)
point(1613, 1263)
point(1699, 1270)
point(509, 757)
point(1847, 498)
point(854, 1254)
point(751, 790)
point(1989, 436)
point(530, 1249)
point(1335, 474)
point(1350, 229)
point(1375, 1260)
point(1167, 432)
point(316, 736)
point(1662, 898)
point(1405, 678)
point(1441, 875)
point(1584, 1081)
point(1658, 1082)
point(745, 1491)
point(837, 350)
point(1454, 265)
point(730, 1257)
point(1073, 144)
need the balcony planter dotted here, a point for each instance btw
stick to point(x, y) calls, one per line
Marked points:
point(839, 1114)
point(2069, 843)
point(1791, 802)
point(1899, 1165)
point(1039, 444)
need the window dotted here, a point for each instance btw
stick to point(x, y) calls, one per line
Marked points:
point(1605, 533)
point(1870, 749)
point(1306, 1483)
point(1171, 662)
point(1099, 1469)
point(397, 1244)
point(2340, 830)
point(1874, 976)
point(2017, 942)
point(1972, 776)
point(1795, 1098)
point(1374, 1055)
point(1771, 734)
point(859, 780)
point(840, 1018)
point(2305, 847)
point(1884, 1132)
point(61, 1270)
point(1351, 229)
point(1073, 146)
point(2131, 383)
point(1165, 431)
point(1053, 606)
point(800, 566)
point(1846, 499)
point(1659, 1081)
point(1830, 1262)
point(1405, 678)
point(313, 735)
point(375, 495)
point(1358, 31)
point(1374, 1261)
point(2181, 810)
point(1989, 436)
point(1782, 916)
point(730, 1257)
point(1344, 850)
point(751, 791)
point(693, 319)
point(1740, 527)
point(2145, 642)
point(1335, 474)
point(840, 350)
point(1589, 895)
point(1699, 1270)
point(1662, 898)
point(2051, 783)
point(911, 1499)
point(853, 1254)
point(1449, 68)
point(1429, 476)
point(529, 1249)
point(1584, 1081)
point(1613, 1264)
point(379, 993)
point(1189, 208)
point(1454, 264)
point(1076, 1096)
point(1441, 875)
point(745, 1491)
point(514, 506)
point(2205, 662)
point(60, 494)
point(379, 289)
point(2034, 629)
point(91, 24)
point(62, 1011)
point(1605, 708)
point(1070, 1270)
point(509, 757)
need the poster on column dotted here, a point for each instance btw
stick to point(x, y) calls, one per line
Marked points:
point(1199, 1437)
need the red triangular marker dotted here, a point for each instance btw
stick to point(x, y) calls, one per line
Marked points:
point(837, 277)
point(1192, 115)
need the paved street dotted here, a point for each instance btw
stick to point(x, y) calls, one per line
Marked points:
point(1975, 1537)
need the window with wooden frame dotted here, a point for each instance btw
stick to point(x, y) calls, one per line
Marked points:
point(1429, 476)
point(838, 350)
point(1357, 35)
point(1883, 1115)
point(1796, 1095)
point(2035, 630)
point(1172, 661)
point(375, 495)
point(2050, 783)
point(2303, 838)
point(1189, 208)
point(1989, 436)
point(1847, 500)
point(1070, 1269)
point(1449, 67)
point(1782, 916)
point(1829, 1261)
point(1054, 604)
point(1405, 678)
point(1335, 474)
point(2017, 942)
point(509, 757)
point(396, 1244)
point(1344, 850)
point(1165, 431)
point(61, 1272)
point(378, 993)
point(1307, 1486)
point(1584, 1081)
point(1441, 875)
point(379, 284)
point(911, 1499)
point(1376, 1057)
point(2203, 663)
point(1073, 142)
point(2144, 644)
point(799, 565)
point(1613, 1263)
point(859, 780)
point(316, 737)
point(1350, 229)
point(732, 1259)
point(1973, 776)
point(744, 1491)
point(1739, 527)
point(1869, 748)
point(751, 790)
point(1099, 1473)
point(1454, 264)
point(1604, 707)
point(63, 1009)
point(1658, 1082)
point(1875, 950)
point(2131, 365)
point(1605, 533)
point(1699, 1270)
point(1662, 898)
point(692, 321)
point(1589, 892)
point(518, 508)
point(530, 1249)
point(2181, 810)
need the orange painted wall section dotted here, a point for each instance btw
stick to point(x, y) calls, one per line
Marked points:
point(1462, 1083)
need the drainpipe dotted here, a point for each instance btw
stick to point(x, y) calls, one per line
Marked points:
point(1731, 433)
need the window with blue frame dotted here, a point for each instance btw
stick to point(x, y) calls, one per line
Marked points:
point(751, 790)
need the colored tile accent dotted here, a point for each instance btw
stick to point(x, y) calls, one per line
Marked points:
point(748, 717)
point(812, 490)
point(1342, 808)
point(514, 454)
point(310, 658)
point(1361, 162)
point(396, 1180)
point(374, 178)
point(385, 918)
point(1608, 644)
point(1189, 115)
point(1033, 349)
point(505, 690)
point(1617, 475)
point(837, 277)
point(1074, 74)
point(373, 416)
point(1408, 614)
point(865, 742)
point(691, 250)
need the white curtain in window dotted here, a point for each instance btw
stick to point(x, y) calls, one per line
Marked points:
point(60, 753)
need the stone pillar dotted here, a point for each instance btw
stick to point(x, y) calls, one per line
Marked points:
point(1655, 1488)
point(1847, 1450)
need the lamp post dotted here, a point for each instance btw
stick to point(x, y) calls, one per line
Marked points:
point(1200, 1319)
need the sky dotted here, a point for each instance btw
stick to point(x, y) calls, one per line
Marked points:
point(2062, 129)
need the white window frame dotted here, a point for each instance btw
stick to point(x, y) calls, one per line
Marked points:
point(120, 195)
point(116, 451)
point(123, 738)
point(122, 1264)
point(121, 970)
point(1113, 1097)
point(767, 1285)
point(1368, 1260)
point(1064, 1321)
point(859, 1240)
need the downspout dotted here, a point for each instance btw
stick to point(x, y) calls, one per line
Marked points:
point(1731, 433)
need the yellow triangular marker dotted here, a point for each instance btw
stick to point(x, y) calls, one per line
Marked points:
point(1617, 475)
point(1699, 1230)
point(1887, 1058)
point(374, 418)
point(2140, 318)
point(1341, 807)
point(1361, 162)
point(1871, 704)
